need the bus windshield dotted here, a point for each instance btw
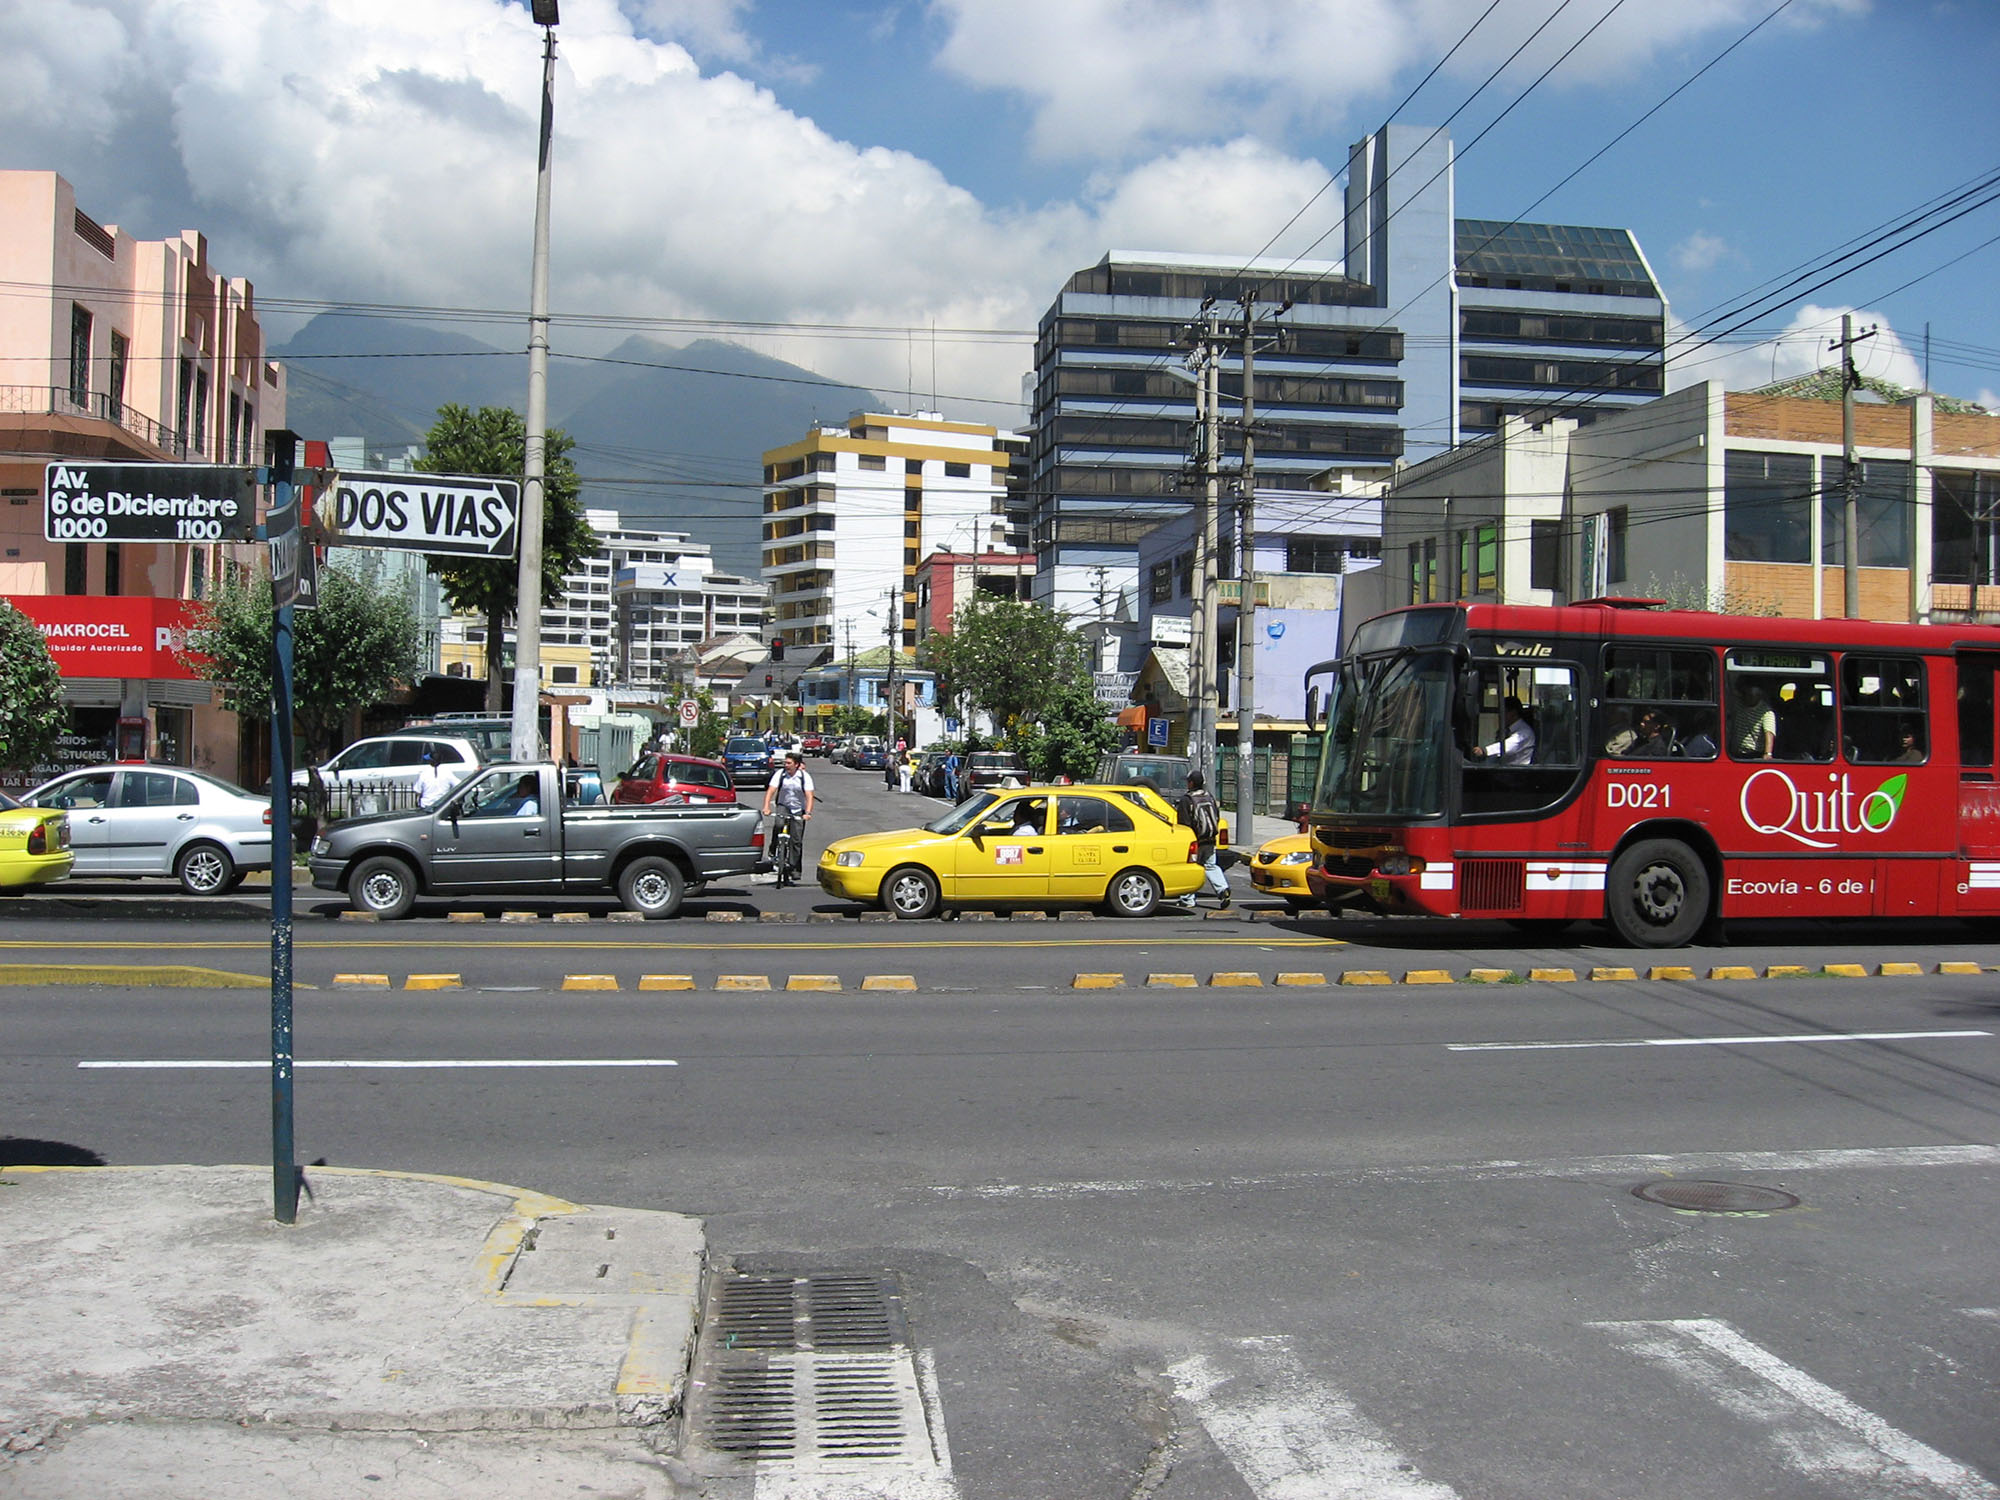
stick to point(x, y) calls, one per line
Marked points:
point(1388, 742)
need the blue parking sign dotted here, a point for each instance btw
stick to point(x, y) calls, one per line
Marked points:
point(1156, 732)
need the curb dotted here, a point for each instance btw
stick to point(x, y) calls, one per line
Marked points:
point(135, 976)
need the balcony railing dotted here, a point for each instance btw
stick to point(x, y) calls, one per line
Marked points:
point(60, 401)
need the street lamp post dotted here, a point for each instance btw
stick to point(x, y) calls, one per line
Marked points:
point(528, 593)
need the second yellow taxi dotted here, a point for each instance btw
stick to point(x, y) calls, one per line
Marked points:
point(1038, 846)
point(34, 845)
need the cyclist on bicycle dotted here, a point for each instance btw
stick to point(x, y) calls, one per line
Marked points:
point(791, 793)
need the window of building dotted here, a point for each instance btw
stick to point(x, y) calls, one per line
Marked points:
point(1160, 583)
point(1184, 575)
point(184, 403)
point(79, 355)
point(1544, 554)
point(1965, 527)
point(874, 462)
point(114, 389)
point(1767, 507)
point(197, 573)
point(1882, 496)
point(1615, 521)
point(76, 568)
point(957, 471)
point(113, 568)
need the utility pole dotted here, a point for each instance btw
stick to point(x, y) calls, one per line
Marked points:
point(1246, 573)
point(528, 591)
point(848, 626)
point(1850, 477)
point(1202, 668)
point(894, 622)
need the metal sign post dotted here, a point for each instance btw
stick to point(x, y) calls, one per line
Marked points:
point(286, 544)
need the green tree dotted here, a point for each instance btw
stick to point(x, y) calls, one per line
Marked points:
point(1073, 735)
point(1008, 658)
point(32, 712)
point(349, 652)
point(711, 728)
point(493, 442)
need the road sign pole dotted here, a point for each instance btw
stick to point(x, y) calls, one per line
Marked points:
point(284, 1167)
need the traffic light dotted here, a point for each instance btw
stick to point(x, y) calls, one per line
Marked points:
point(767, 679)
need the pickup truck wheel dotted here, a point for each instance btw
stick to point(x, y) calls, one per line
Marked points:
point(652, 887)
point(383, 885)
point(910, 893)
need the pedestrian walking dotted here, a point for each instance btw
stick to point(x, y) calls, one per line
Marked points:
point(1200, 812)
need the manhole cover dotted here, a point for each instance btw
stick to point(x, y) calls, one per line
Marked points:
point(1715, 1197)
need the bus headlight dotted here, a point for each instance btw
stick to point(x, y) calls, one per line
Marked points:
point(1400, 864)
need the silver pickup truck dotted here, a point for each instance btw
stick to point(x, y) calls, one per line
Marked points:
point(512, 831)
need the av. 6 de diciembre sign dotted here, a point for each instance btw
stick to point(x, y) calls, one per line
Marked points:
point(105, 502)
point(441, 514)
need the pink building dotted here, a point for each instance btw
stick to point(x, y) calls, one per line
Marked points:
point(945, 580)
point(121, 350)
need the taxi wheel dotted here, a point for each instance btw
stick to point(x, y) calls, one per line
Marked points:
point(910, 893)
point(1133, 893)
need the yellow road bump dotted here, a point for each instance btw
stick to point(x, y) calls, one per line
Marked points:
point(1366, 976)
point(1732, 971)
point(1553, 976)
point(1301, 979)
point(666, 981)
point(1891, 970)
point(625, 916)
point(889, 982)
point(590, 981)
point(725, 916)
point(743, 981)
point(1787, 971)
point(1614, 973)
point(465, 916)
point(572, 916)
point(1959, 966)
point(813, 982)
point(1030, 916)
point(1098, 982)
point(1235, 979)
point(1489, 976)
point(1846, 971)
point(1670, 971)
point(359, 916)
point(361, 981)
point(433, 982)
point(1170, 981)
point(520, 916)
point(1428, 976)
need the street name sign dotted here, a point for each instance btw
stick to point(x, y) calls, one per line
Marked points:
point(94, 502)
point(441, 514)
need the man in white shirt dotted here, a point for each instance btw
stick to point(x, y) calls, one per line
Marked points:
point(791, 793)
point(433, 781)
point(1516, 745)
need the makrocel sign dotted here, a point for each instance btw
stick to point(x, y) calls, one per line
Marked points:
point(126, 636)
point(435, 513)
point(93, 502)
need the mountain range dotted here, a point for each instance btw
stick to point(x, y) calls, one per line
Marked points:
point(671, 438)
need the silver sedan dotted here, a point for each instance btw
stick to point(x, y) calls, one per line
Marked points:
point(136, 820)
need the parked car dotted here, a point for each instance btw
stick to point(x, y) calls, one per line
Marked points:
point(748, 759)
point(504, 834)
point(873, 757)
point(1039, 846)
point(380, 772)
point(666, 777)
point(992, 768)
point(34, 845)
point(1279, 867)
point(161, 820)
point(1167, 773)
point(493, 734)
point(857, 746)
point(812, 744)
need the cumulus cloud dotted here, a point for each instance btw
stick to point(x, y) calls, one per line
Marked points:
point(1108, 77)
point(1700, 251)
point(1803, 346)
point(365, 150)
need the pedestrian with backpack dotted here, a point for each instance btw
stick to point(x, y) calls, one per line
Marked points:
point(1201, 813)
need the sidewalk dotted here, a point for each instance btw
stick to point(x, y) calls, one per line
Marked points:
point(409, 1336)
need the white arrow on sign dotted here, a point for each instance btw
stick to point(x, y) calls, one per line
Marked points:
point(450, 514)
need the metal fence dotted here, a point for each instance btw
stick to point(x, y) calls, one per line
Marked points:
point(1283, 778)
point(59, 401)
point(332, 804)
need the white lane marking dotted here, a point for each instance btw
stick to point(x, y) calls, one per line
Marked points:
point(1707, 1041)
point(1288, 1435)
point(1845, 1438)
point(1990, 1314)
point(1902, 1158)
point(388, 1062)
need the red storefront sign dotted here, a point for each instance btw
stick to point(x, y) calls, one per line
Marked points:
point(125, 636)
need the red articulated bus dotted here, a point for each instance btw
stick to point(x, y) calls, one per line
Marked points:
point(1657, 769)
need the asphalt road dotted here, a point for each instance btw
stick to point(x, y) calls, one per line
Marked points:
point(1207, 1242)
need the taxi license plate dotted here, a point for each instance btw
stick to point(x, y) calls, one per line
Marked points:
point(1378, 889)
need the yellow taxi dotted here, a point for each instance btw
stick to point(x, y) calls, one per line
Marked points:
point(1033, 846)
point(1279, 867)
point(34, 844)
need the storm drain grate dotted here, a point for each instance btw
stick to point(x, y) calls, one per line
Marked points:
point(1715, 1197)
point(811, 1373)
point(838, 1310)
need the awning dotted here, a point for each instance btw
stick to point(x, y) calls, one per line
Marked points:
point(1133, 717)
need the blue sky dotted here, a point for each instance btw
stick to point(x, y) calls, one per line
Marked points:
point(860, 169)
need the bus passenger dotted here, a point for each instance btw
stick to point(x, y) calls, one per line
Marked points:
point(1909, 749)
point(1655, 739)
point(1700, 741)
point(1753, 726)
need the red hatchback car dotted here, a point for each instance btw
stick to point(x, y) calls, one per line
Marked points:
point(675, 779)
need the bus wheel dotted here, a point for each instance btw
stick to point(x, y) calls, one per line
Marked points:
point(1657, 894)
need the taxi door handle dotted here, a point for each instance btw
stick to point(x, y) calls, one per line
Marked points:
point(1034, 848)
point(1121, 848)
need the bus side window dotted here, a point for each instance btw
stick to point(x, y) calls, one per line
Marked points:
point(1975, 710)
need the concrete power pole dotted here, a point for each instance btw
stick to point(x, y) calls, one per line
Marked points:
point(1246, 573)
point(1850, 477)
point(528, 589)
point(1203, 643)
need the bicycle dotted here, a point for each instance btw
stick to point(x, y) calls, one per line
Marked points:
point(785, 853)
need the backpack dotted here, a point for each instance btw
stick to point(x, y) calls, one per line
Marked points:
point(1203, 818)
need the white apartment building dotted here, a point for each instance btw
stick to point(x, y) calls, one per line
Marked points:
point(849, 512)
point(662, 611)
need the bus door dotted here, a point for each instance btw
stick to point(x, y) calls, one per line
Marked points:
point(1978, 785)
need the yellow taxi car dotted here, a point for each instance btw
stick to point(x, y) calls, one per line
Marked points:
point(1033, 846)
point(1279, 867)
point(34, 844)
